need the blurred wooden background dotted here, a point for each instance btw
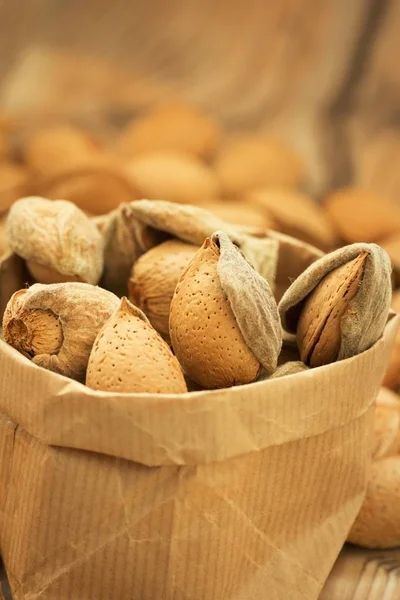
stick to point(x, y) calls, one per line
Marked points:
point(321, 73)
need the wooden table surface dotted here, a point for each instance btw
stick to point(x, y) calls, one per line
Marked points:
point(357, 575)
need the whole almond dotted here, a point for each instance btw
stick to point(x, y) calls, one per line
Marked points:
point(51, 149)
point(96, 184)
point(154, 278)
point(224, 324)
point(130, 356)
point(378, 522)
point(176, 127)
point(253, 161)
point(58, 241)
point(55, 325)
point(173, 177)
point(296, 214)
point(362, 216)
point(339, 306)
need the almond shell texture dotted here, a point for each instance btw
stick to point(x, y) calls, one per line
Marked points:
point(129, 356)
point(33, 318)
point(204, 333)
point(252, 302)
point(57, 235)
point(365, 315)
point(154, 278)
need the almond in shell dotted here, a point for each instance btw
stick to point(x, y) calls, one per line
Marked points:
point(338, 307)
point(154, 278)
point(130, 356)
point(224, 324)
point(55, 325)
point(57, 240)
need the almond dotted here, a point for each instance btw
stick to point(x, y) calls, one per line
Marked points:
point(294, 213)
point(58, 241)
point(224, 324)
point(97, 185)
point(4, 146)
point(251, 161)
point(154, 278)
point(55, 325)
point(378, 522)
point(176, 127)
point(339, 306)
point(362, 216)
point(130, 356)
point(173, 177)
point(52, 149)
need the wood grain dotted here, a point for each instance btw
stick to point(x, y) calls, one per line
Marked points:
point(361, 574)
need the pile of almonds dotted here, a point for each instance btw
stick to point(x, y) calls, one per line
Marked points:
point(177, 292)
point(198, 306)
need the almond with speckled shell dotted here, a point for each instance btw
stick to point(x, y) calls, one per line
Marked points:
point(130, 356)
point(338, 307)
point(224, 324)
point(154, 278)
point(55, 325)
point(57, 240)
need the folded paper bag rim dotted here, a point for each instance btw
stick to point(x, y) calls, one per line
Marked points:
point(196, 427)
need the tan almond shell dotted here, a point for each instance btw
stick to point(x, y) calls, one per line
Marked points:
point(80, 308)
point(362, 216)
point(252, 302)
point(3, 242)
point(51, 149)
point(129, 356)
point(193, 224)
point(154, 278)
point(362, 323)
point(125, 240)
point(204, 333)
point(251, 161)
point(177, 127)
point(386, 425)
point(57, 235)
point(295, 214)
point(173, 177)
point(15, 183)
point(378, 522)
point(97, 185)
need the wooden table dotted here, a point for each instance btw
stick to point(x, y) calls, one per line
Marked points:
point(357, 575)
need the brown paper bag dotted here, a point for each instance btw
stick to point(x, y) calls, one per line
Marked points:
point(237, 494)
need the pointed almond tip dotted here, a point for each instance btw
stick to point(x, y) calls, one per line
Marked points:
point(209, 243)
